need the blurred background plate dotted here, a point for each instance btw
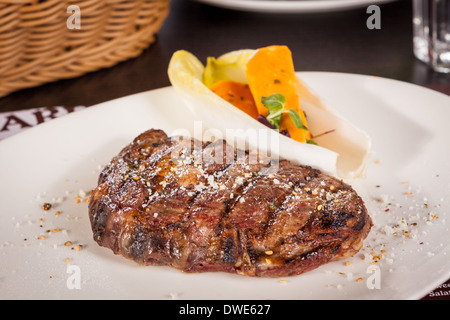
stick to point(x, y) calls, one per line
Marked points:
point(292, 6)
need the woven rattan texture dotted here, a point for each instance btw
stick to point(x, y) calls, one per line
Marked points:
point(37, 46)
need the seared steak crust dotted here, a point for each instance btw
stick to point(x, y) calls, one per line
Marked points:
point(169, 201)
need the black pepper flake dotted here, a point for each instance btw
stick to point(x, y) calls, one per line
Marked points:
point(47, 206)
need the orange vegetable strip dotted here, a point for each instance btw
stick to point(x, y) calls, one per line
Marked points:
point(238, 94)
point(271, 70)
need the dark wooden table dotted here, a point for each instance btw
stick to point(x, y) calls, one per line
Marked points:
point(331, 41)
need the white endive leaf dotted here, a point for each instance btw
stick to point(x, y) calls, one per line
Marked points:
point(343, 154)
point(230, 66)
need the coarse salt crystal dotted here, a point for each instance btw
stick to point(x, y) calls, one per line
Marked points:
point(212, 183)
point(173, 295)
point(199, 187)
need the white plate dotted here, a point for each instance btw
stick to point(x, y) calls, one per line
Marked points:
point(55, 160)
point(292, 6)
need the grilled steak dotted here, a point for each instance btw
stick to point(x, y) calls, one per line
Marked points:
point(207, 207)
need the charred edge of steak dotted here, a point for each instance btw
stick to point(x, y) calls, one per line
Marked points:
point(157, 205)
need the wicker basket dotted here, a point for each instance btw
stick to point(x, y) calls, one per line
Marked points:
point(38, 43)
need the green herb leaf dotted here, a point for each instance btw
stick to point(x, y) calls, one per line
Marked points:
point(274, 102)
point(295, 117)
point(275, 118)
point(309, 141)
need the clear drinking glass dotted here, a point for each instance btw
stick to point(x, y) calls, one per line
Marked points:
point(431, 23)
